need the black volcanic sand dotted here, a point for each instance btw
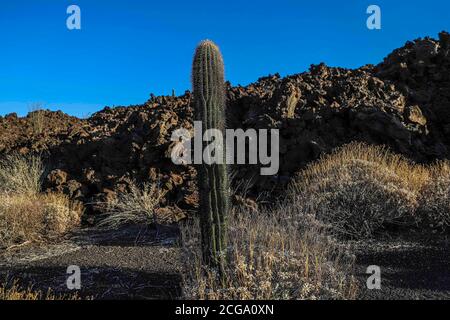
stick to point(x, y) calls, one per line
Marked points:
point(132, 263)
point(417, 268)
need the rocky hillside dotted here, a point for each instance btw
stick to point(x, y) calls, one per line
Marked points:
point(404, 102)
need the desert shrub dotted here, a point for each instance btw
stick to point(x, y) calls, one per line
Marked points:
point(273, 254)
point(36, 117)
point(360, 189)
point(26, 218)
point(136, 206)
point(60, 214)
point(435, 196)
point(21, 174)
point(25, 214)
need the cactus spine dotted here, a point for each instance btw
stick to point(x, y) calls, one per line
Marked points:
point(209, 105)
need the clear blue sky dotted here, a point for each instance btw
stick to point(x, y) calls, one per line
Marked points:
point(128, 49)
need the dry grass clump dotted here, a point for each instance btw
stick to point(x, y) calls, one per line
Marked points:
point(26, 218)
point(279, 254)
point(21, 174)
point(360, 189)
point(15, 292)
point(136, 206)
point(435, 197)
point(25, 214)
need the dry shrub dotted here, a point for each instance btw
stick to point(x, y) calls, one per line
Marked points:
point(279, 254)
point(36, 217)
point(36, 117)
point(435, 197)
point(21, 174)
point(360, 189)
point(25, 214)
point(15, 292)
point(136, 206)
point(60, 214)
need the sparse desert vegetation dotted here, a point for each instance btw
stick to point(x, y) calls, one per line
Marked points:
point(295, 251)
point(37, 118)
point(26, 214)
point(21, 174)
point(136, 206)
point(273, 254)
point(361, 190)
point(435, 196)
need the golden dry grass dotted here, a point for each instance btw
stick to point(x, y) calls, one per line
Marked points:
point(36, 217)
point(435, 196)
point(329, 166)
point(27, 215)
point(277, 254)
point(362, 190)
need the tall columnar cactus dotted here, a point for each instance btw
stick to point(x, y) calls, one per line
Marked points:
point(209, 103)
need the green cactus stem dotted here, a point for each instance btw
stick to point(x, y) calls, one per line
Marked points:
point(209, 104)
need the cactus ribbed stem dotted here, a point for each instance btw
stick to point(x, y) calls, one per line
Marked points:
point(209, 103)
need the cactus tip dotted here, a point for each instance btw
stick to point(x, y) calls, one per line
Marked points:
point(207, 42)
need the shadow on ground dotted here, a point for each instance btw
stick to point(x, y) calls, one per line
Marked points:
point(137, 262)
point(408, 270)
